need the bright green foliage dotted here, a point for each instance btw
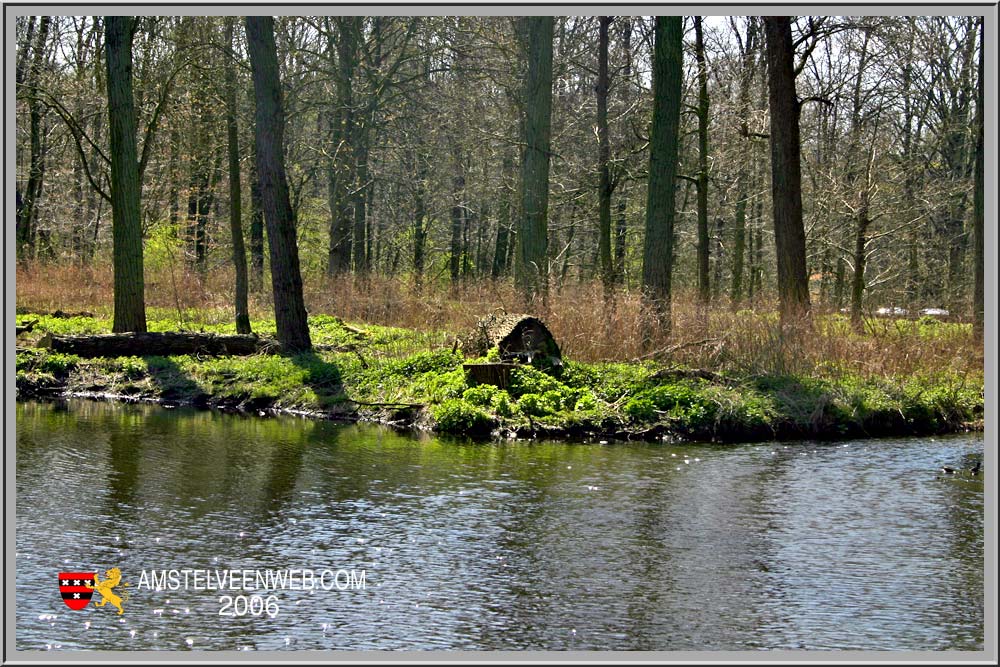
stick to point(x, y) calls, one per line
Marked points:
point(525, 380)
point(533, 405)
point(444, 386)
point(457, 416)
point(481, 395)
point(386, 366)
point(503, 406)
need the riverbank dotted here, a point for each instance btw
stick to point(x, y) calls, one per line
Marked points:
point(411, 379)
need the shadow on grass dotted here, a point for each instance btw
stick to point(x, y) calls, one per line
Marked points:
point(173, 383)
point(325, 379)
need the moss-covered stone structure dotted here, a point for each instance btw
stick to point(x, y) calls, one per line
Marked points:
point(519, 338)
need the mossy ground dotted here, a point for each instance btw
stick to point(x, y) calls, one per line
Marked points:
point(406, 377)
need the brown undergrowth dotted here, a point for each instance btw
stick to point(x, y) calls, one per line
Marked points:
point(589, 327)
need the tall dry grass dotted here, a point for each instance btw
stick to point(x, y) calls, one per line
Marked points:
point(587, 326)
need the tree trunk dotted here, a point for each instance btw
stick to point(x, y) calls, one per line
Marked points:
point(786, 175)
point(860, 255)
point(419, 219)
point(532, 256)
point(235, 203)
point(286, 281)
point(704, 290)
point(658, 249)
point(21, 68)
point(504, 220)
point(605, 188)
point(978, 217)
point(718, 262)
point(126, 227)
point(256, 229)
point(743, 175)
point(341, 170)
point(456, 245)
point(28, 212)
point(360, 241)
point(621, 237)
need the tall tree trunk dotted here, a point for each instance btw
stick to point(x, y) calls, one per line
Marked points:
point(704, 290)
point(962, 161)
point(173, 194)
point(256, 228)
point(235, 203)
point(126, 227)
point(860, 257)
point(21, 68)
point(605, 188)
point(621, 231)
point(861, 216)
point(457, 215)
point(532, 256)
point(419, 219)
point(739, 244)
point(360, 203)
point(978, 217)
point(743, 174)
point(621, 237)
point(28, 212)
point(504, 220)
point(786, 175)
point(658, 249)
point(286, 281)
point(20, 76)
point(341, 170)
point(80, 240)
point(718, 262)
point(909, 179)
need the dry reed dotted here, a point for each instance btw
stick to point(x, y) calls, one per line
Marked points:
point(587, 325)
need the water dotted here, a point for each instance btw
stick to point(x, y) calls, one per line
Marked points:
point(857, 545)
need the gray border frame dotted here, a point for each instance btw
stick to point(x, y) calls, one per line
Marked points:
point(891, 7)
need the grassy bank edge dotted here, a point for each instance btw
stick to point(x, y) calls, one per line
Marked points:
point(411, 379)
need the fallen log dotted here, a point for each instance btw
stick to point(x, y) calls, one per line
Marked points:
point(162, 344)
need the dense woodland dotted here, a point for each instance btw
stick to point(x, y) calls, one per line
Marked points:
point(830, 162)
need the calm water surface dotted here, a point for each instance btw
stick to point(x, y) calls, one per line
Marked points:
point(552, 546)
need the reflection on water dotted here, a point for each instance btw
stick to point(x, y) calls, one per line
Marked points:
point(494, 546)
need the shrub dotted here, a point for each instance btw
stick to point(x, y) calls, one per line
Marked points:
point(533, 405)
point(528, 380)
point(57, 363)
point(553, 400)
point(481, 395)
point(458, 416)
point(640, 409)
point(441, 361)
point(133, 367)
point(440, 387)
point(585, 401)
point(502, 405)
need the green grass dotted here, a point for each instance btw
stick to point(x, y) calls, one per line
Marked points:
point(394, 374)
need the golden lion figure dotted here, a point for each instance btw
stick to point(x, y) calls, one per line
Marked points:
point(113, 578)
